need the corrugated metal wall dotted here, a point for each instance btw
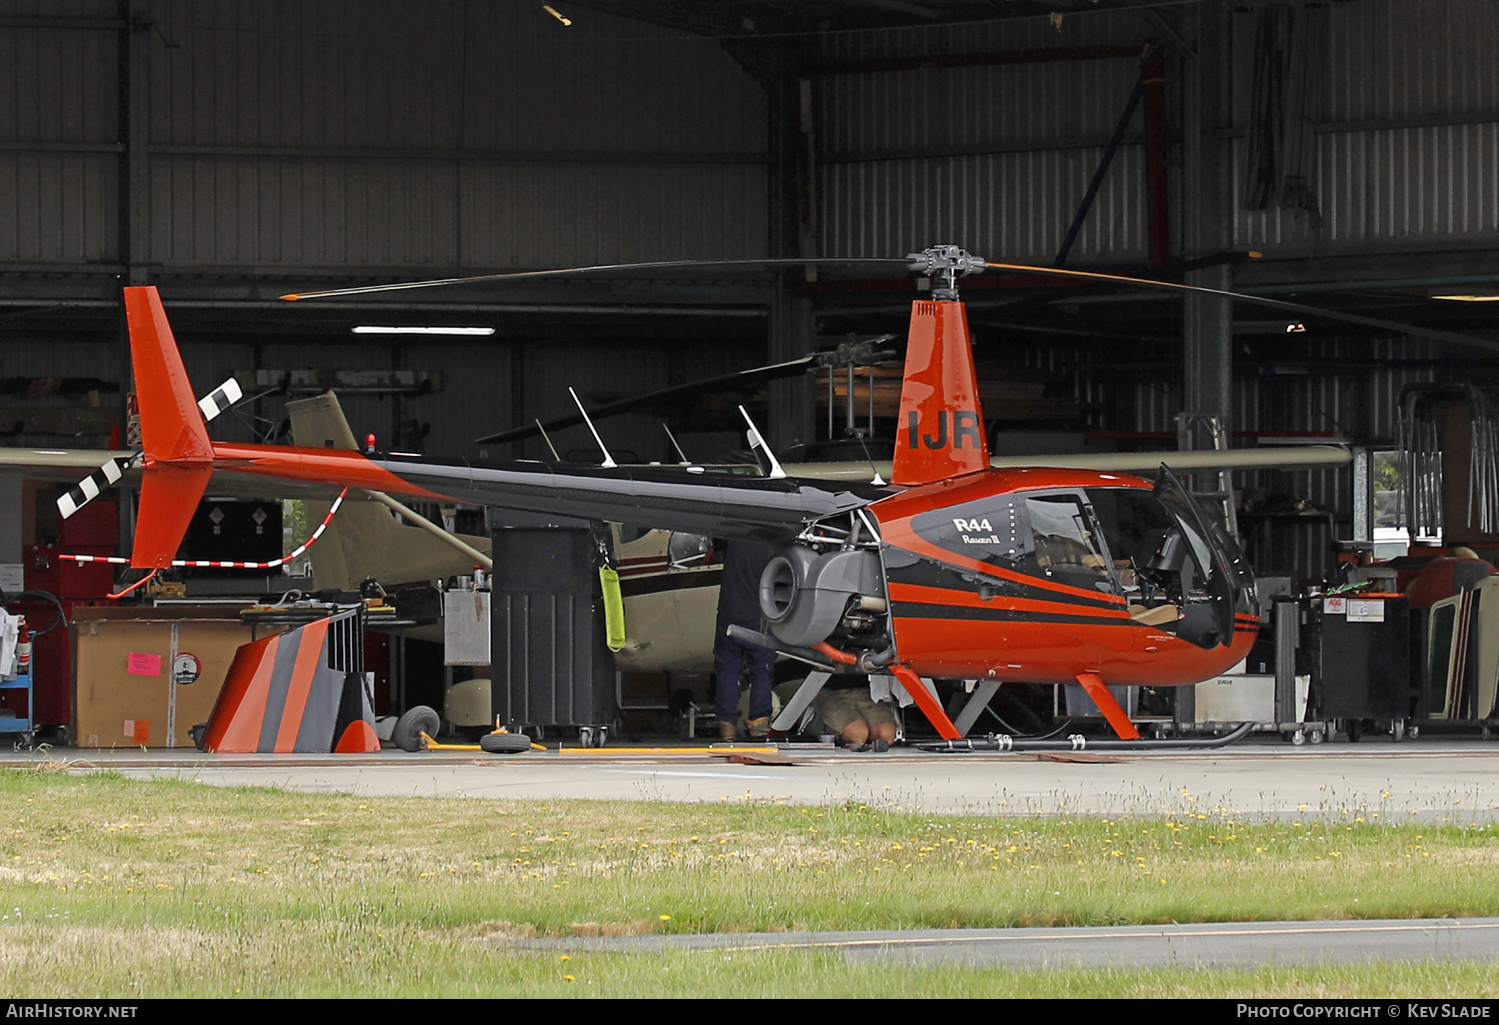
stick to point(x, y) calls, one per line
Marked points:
point(994, 158)
point(59, 135)
point(998, 158)
point(446, 134)
point(1407, 148)
point(369, 133)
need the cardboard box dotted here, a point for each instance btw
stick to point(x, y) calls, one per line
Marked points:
point(145, 676)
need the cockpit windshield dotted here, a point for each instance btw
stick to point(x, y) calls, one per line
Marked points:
point(1178, 568)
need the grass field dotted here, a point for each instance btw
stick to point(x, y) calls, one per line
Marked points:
point(112, 887)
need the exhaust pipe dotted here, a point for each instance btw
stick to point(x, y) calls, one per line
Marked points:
point(745, 635)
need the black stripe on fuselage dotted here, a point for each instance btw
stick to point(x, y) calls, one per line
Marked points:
point(932, 610)
point(927, 610)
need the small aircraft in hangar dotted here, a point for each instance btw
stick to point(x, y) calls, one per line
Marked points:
point(954, 568)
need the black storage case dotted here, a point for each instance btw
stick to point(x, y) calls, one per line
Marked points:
point(1364, 669)
point(549, 662)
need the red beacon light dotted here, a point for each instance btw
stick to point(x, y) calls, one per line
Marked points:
point(369, 443)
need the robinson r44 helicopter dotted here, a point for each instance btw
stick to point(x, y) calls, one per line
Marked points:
point(952, 569)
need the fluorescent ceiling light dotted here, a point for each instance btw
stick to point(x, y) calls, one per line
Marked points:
point(1493, 297)
point(369, 329)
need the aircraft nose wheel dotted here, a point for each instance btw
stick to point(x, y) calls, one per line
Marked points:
point(593, 736)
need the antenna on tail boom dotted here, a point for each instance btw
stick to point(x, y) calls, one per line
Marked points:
point(757, 441)
point(608, 462)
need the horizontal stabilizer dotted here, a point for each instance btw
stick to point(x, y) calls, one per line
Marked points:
point(169, 498)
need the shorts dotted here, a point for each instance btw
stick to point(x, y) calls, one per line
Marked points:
point(839, 708)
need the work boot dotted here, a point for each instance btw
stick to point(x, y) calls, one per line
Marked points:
point(759, 728)
point(727, 730)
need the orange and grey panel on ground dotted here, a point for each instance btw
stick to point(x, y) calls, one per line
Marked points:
point(283, 695)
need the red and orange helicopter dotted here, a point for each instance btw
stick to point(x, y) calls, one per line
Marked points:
point(952, 569)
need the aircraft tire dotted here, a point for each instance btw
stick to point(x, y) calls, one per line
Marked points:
point(504, 743)
point(418, 719)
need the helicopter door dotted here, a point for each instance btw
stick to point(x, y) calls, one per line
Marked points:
point(1211, 573)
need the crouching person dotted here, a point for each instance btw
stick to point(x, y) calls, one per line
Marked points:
point(849, 713)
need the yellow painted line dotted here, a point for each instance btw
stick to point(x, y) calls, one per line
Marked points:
point(610, 753)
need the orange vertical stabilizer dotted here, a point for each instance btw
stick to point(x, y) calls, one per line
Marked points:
point(940, 432)
point(178, 457)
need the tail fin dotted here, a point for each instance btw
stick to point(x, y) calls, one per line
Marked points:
point(365, 539)
point(178, 455)
point(940, 433)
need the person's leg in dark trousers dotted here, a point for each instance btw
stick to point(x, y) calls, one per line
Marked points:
point(761, 665)
point(728, 659)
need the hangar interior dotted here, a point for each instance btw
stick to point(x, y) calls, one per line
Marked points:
point(1340, 155)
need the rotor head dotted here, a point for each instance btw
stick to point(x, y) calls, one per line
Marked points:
point(944, 265)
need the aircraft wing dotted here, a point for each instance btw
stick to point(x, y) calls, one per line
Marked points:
point(1299, 457)
point(57, 464)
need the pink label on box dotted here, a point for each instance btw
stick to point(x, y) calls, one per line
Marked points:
point(140, 664)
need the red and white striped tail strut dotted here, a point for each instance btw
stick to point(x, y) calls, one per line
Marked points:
point(218, 564)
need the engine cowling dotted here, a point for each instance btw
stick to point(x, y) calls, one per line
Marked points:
point(804, 595)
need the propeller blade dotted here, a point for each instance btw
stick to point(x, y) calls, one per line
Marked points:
point(220, 399)
point(397, 286)
point(88, 489)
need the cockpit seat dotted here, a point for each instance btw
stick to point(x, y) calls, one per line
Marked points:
point(1158, 615)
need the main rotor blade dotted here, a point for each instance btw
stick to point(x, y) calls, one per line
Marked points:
point(1019, 268)
point(1257, 300)
point(791, 368)
point(397, 286)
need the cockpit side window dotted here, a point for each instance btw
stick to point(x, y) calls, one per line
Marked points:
point(1064, 545)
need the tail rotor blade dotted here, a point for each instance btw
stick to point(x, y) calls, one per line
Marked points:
point(88, 489)
point(220, 399)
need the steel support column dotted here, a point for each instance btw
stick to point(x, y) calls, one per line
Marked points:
point(135, 53)
point(792, 409)
point(792, 405)
point(1208, 217)
point(1207, 228)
